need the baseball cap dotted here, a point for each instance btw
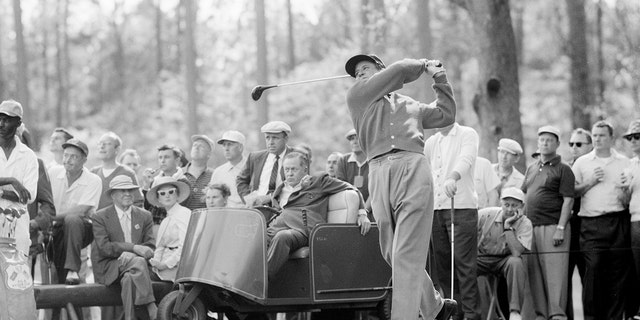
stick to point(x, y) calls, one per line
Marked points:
point(77, 144)
point(350, 133)
point(634, 127)
point(233, 136)
point(512, 192)
point(351, 64)
point(549, 129)
point(11, 108)
point(204, 138)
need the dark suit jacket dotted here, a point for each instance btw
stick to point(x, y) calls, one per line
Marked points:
point(313, 197)
point(109, 243)
point(42, 209)
point(249, 178)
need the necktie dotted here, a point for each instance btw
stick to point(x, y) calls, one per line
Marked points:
point(274, 175)
point(125, 223)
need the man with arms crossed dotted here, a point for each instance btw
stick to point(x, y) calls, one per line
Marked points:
point(390, 129)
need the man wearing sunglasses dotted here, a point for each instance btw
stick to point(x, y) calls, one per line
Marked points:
point(604, 226)
point(633, 179)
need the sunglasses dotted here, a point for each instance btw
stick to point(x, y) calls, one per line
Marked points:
point(635, 136)
point(577, 144)
point(165, 192)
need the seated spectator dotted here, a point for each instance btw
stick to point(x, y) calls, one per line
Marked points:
point(503, 235)
point(76, 194)
point(217, 195)
point(167, 193)
point(332, 163)
point(303, 200)
point(123, 244)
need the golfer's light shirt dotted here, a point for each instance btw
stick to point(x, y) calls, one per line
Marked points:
point(457, 151)
point(85, 190)
point(633, 175)
point(265, 176)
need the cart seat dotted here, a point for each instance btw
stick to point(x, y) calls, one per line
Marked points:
point(343, 208)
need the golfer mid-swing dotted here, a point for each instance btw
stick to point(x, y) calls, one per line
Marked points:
point(390, 129)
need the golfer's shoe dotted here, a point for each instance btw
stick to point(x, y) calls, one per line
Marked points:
point(449, 309)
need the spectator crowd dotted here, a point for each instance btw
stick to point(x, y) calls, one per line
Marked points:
point(528, 229)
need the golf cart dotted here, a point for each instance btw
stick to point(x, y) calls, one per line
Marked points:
point(223, 268)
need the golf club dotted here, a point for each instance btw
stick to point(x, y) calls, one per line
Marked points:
point(256, 93)
point(453, 248)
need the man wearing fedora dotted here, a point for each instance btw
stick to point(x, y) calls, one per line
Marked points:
point(232, 143)
point(123, 244)
point(549, 187)
point(76, 194)
point(604, 225)
point(197, 172)
point(390, 128)
point(262, 172)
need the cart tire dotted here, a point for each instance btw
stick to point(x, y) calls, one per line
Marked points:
point(384, 307)
point(196, 310)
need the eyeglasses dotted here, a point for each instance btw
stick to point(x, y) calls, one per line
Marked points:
point(165, 192)
point(635, 136)
point(577, 144)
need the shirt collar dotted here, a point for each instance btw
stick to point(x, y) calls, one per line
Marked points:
point(352, 158)
point(614, 154)
point(121, 213)
point(553, 162)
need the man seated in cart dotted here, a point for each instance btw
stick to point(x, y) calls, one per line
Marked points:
point(303, 202)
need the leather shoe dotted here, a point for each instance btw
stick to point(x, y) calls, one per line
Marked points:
point(449, 309)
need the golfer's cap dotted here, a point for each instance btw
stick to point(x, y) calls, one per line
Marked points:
point(512, 192)
point(204, 138)
point(549, 129)
point(276, 127)
point(510, 146)
point(77, 144)
point(233, 136)
point(350, 133)
point(351, 64)
point(11, 108)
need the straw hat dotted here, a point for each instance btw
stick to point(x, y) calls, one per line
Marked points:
point(183, 189)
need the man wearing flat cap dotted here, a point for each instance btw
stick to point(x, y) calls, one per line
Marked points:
point(509, 152)
point(197, 172)
point(123, 244)
point(18, 174)
point(353, 166)
point(76, 194)
point(232, 143)
point(504, 233)
point(389, 127)
point(549, 187)
point(262, 172)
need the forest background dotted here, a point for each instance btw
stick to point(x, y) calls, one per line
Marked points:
point(158, 71)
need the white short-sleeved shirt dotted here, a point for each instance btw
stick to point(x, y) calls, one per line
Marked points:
point(227, 174)
point(457, 151)
point(22, 164)
point(84, 191)
point(606, 196)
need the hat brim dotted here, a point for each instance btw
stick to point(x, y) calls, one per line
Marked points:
point(67, 145)
point(129, 187)
point(11, 114)
point(351, 64)
point(183, 192)
point(221, 141)
point(630, 134)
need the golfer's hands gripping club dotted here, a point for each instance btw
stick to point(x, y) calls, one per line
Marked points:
point(450, 187)
point(433, 67)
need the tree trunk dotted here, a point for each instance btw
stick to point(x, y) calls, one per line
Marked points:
point(518, 26)
point(190, 66)
point(261, 59)
point(497, 100)
point(22, 69)
point(425, 40)
point(118, 56)
point(600, 55)
point(3, 82)
point(364, 31)
point(291, 61)
point(580, 89)
point(379, 14)
point(44, 19)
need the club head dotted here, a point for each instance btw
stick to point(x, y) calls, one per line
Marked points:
point(256, 93)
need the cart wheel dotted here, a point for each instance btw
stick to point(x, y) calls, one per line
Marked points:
point(384, 307)
point(196, 310)
point(246, 316)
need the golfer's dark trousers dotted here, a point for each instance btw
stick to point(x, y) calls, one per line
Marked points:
point(604, 241)
point(466, 253)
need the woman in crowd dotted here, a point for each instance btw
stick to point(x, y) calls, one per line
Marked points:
point(217, 195)
point(168, 192)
